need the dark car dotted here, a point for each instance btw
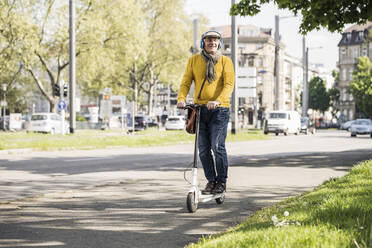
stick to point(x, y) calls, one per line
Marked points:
point(6, 122)
point(151, 122)
point(140, 123)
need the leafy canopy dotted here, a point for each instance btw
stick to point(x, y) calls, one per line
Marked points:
point(318, 96)
point(361, 86)
point(330, 14)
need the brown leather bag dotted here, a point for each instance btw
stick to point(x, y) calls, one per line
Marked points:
point(191, 120)
point(192, 115)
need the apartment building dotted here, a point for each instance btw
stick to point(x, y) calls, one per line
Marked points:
point(256, 57)
point(355, 42)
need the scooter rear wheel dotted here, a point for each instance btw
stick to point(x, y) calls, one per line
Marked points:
point(192, 206)
point(221, 199)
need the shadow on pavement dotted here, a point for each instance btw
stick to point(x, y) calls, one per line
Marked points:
point(146, 211)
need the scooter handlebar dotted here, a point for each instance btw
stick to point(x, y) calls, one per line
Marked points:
point(191, 105)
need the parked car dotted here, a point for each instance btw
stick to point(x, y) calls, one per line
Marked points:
point(150, 122)
point(140, 123)
point(361, 126)
point(307, 125)
point(6, 122)
point(175, 123)
point(282, 121)
point(346, 125)
point(47, 123)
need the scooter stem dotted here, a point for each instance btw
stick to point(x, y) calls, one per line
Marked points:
point(196, 138)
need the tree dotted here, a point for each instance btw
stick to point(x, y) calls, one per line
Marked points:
point(361, 86)
point(105, 65)
point(168, 51)
point(334, 93)
point(40, 29)
point(13, 30)
point(318, 96)
point(332, 15)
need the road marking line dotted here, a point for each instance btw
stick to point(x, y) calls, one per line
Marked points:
point(84, 159)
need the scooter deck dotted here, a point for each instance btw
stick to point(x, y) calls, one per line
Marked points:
point(205, 197)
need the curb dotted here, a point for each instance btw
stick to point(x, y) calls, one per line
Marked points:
point(16, 151)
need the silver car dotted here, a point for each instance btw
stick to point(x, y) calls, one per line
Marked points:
point(47, 123)
point(361, 126)
point(175, 123)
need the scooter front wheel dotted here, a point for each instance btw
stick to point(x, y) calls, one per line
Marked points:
point(221, 199)
point(192, 206)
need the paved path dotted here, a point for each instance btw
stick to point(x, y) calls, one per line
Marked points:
point(136, 197)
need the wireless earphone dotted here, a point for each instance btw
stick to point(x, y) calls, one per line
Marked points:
point(206, 34)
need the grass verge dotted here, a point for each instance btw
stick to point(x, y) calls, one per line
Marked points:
point(98, 139)
point(338, 213)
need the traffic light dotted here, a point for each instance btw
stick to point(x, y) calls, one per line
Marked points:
point(56, 90)
point(65, 90)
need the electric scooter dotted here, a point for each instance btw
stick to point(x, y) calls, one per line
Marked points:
point(195, 196)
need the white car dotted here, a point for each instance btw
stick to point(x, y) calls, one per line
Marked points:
point(175, 123)
point(361, 126)
point(47, 123)
point(283, 121)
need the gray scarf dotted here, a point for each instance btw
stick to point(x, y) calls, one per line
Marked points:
point(211, 60)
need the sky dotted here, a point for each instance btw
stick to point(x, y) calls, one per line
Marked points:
point(217, 11)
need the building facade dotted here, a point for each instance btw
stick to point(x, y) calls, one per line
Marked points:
point(355, 42)
point(256, 54)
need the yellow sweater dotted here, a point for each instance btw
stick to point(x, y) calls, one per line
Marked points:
point(218, 90)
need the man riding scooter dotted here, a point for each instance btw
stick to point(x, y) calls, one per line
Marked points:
point(213, 75)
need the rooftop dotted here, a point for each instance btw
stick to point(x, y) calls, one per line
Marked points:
point(358, 27)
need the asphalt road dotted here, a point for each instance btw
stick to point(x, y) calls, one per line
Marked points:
point(135, 197)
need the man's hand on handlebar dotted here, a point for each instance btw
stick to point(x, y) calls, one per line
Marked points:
point(181, 104)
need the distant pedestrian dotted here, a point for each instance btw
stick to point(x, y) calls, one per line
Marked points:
point(213, 76)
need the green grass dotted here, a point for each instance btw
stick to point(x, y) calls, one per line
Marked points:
point(337, 214)
point(96, 139)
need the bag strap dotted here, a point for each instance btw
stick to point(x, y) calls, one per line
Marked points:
point(201, 88)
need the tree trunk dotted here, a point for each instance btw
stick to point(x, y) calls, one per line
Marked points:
point(151, 97)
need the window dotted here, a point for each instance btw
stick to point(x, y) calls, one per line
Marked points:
point(343, 94)
point(343, 74)
point(260, 61)
point(343, 53)
point(364, 51)
point(259, 79)
point(361, 35)
point(351, 115)
point(351, 74)
point(251, 61)
point(227, 46)
point(355, 52)
point(347, 38)
point(351, 98)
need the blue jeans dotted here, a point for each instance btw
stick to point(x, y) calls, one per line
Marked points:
point(212, 136)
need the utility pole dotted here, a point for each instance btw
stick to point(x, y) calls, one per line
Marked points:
point(72, 66)
point(4, 103)
point(276, 63)
point(305, 86)
point(234, 46)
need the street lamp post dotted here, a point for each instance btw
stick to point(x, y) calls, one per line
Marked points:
point(234, 46)
point(276, 64)
point(4, 105)
point(305, 97)
point(276, 61)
